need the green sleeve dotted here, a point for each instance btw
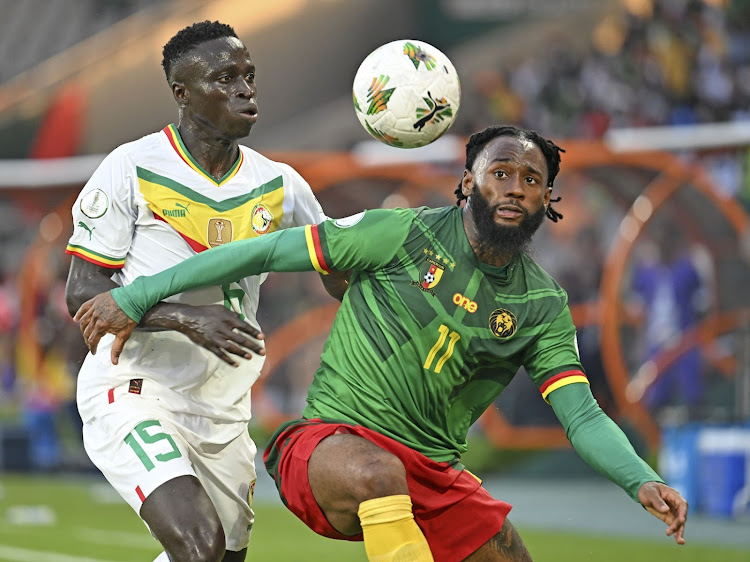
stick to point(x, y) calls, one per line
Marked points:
point(283, 250)
point(555, 350)
point(365, 241)
point(598, 440)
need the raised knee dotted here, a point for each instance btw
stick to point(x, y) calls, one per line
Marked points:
point(200, 544)
point(383, 475)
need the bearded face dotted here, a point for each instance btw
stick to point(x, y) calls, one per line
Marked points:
point(507, 196)
point(502, 239)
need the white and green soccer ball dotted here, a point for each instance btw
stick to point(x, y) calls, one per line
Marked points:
point(406, 93)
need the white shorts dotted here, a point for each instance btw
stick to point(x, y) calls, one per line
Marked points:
point(139, 446)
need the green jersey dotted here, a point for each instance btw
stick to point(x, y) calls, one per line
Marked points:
point(427, 335)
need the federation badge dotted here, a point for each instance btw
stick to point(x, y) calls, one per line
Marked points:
point(219, 232)
point(261, 219)
point(431, 273)
point(503, 323)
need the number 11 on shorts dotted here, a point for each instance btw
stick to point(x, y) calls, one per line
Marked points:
point(139, 440)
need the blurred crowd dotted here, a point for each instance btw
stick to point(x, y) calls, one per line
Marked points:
point(654, 62)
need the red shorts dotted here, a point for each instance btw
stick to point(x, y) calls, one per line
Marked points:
point(455, 513)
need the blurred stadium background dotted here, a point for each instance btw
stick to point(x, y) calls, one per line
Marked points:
point(650, 99)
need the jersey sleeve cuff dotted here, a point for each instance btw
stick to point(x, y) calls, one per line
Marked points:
point(120, 296)
point(562, 379)
point(653, 477)
point(315, 250)
point(95, 257)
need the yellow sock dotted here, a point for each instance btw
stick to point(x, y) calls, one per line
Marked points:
point(390, 532)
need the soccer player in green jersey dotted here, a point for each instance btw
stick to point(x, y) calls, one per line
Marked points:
point(443, 308)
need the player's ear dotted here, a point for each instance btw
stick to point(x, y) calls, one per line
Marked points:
point(180, 93)
point(547, 196)
point(467, 183)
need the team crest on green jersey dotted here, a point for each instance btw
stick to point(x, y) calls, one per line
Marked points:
point(503, 323)
point(430, 274)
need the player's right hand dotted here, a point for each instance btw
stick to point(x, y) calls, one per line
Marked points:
point(101, 315)
point(666, 504)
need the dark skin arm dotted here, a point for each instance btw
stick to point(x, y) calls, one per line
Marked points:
point(213, 327)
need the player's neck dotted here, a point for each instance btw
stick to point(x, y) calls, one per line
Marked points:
point(216, 155)
point(490, 256)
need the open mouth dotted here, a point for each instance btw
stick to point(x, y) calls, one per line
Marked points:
point(509, 211)
point(250, 111)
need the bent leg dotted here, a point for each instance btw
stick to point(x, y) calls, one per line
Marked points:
point(182, 517)
point(228, 476)
point(505, 546)
point(344, 470)
point(360, 486)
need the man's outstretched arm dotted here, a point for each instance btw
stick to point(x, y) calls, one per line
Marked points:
point(603, 445)
point(213, 327)
point(119, 310)
point(368, 242)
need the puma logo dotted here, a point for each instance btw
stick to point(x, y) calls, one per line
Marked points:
point(180, 212)
point(85, 227)
point(435, 108)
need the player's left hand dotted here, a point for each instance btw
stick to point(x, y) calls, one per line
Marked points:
point(101, 315)
point(668, 505)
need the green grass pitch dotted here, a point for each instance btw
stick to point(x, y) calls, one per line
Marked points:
point(81, 520)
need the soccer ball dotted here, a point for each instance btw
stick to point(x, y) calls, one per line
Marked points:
point(406, 93)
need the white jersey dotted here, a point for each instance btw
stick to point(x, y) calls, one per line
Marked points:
point(149, 206)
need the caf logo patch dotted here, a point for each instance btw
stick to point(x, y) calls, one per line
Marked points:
point(262, 219)
point(346, 222)
point(94, 204)
point(503, 323)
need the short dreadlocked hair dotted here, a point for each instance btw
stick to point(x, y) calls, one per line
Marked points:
point(190, 37)
point(549, 149)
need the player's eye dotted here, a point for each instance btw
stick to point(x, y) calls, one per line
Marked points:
point(501, 173)
point(531, 180)
point(225, 79)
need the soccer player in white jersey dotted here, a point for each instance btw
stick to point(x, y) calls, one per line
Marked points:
point(167, 424)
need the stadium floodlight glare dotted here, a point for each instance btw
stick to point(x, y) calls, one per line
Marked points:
point(30, 173)
point(679, 137)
